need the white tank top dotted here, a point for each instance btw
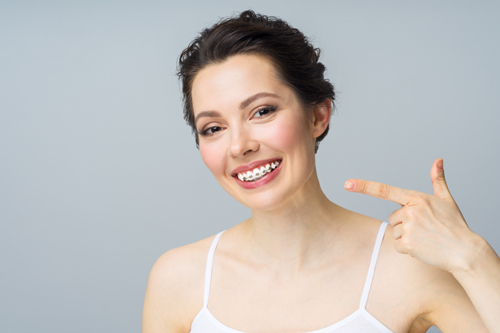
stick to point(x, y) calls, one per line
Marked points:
point(360, 321)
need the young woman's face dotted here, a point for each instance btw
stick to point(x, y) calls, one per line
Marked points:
point(248, 119)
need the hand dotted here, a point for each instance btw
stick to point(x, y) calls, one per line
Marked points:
point(428, 227)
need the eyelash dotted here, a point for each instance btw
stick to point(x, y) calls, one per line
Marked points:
point(269, 108)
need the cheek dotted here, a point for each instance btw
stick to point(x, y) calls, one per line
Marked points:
point(288, 132)
point(212, 158)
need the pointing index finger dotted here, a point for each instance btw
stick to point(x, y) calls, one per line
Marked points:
point(379, 190)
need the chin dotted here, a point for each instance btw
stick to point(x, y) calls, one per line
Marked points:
point(272, 196)
point(263, 201)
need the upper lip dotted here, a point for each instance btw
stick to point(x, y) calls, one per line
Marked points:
point(253, 165)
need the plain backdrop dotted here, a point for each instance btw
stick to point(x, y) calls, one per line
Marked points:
point(99, 175)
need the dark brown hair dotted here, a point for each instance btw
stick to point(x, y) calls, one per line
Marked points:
point(296, 60)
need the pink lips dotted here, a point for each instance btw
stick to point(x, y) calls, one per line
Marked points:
point(253, 165)
point(268, 177)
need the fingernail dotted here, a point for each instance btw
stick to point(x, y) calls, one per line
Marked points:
point(349, 185)
point(440, 164)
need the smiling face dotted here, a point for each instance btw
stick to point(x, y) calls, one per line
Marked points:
point(247, 119)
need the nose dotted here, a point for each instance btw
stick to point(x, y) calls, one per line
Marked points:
point(242, 143)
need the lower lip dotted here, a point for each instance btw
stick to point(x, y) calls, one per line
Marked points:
point(263, 181)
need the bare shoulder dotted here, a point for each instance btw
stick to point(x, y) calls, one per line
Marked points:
point(175, 288)
point(431, 296)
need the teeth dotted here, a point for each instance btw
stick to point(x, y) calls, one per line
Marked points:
point(257, 173)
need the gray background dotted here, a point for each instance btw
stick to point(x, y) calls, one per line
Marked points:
point(99, 175)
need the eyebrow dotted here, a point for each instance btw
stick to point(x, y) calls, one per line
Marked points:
point(243, 105)
point(202, 114)
point(255, 97)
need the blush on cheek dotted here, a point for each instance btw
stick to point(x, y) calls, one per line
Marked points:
point(212, 158)
point(287, 133)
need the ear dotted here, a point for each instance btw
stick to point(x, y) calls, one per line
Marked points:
point(321, 117)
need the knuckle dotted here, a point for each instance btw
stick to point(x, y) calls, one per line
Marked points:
point(421, 197)
point(362, 186)
point(425, 199)
point(383, 191)
point(399, 247)
point(440, 178)
point(396, 233)
point(392, 216)
point(410, 213)
point(406, 244)
point(408, 228)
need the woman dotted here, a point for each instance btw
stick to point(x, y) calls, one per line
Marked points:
point(259, 105)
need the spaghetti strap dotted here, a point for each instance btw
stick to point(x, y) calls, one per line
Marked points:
point(208, 269)
point(371, 269)
point(368, 282)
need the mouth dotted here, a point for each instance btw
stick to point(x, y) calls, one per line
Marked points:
point(259, 175)
point(258, 172)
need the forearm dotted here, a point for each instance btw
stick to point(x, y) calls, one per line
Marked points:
point(480, 278)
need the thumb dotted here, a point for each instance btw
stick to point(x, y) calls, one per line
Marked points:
point(438, 181)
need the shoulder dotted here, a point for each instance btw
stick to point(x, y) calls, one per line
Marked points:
point(432, 295)
point(408, 274)
point(174, 293)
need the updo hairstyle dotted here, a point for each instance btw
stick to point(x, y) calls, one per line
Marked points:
point(296, 60)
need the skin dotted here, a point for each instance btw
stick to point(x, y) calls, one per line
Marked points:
point(300, 262)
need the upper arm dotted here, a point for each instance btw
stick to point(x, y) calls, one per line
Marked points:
point(170, 293)
point(450, 309)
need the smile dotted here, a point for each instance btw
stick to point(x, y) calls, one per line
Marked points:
point(258, 173)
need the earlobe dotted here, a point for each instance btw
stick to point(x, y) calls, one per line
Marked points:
point(321, 116)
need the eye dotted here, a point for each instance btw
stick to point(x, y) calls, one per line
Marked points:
point(210, 130)
point(265, 111)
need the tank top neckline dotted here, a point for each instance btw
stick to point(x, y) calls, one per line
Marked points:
point(360, 311)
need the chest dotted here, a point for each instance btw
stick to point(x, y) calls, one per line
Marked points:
point(250, 299)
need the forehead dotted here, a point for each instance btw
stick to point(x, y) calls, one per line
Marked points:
point(228, 83)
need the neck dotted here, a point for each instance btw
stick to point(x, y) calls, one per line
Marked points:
point(298, 235)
